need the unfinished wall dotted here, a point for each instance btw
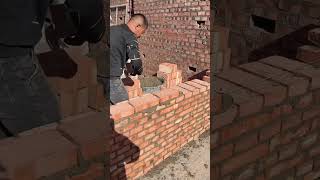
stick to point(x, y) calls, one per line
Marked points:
point(271, 128)
point(178, 33)
point(150, 128)
point(81, 93)
point(73, 149)
point(281, 18)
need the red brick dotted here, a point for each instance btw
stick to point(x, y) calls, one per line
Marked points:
point(82, 100)
point(185, 92)
point(68, 85)
point(167, 94)
point(296, 85)
point(288, 151)
point(194, 90)
point(121, 110)
point(95, 171)
point(167, 67)
point(203, 83)
point(244, 158)
point(312, 113)
point(144, 102)
point(68, 103)
point(91, 137)
point(284, 165)
point(247, 101)
point(304, 101)
point(245, 126)
point(309, 141)
point(196, 85)
point(296, 67)
point(246, 142)
point(274, 93)
point(97, 99)
point(269, 131)
point(314, 151)
point(295, 133)
point(312, 175)
point(292, 121)
point(314, 36)
point(308, 54)
point(304, 168)
point(34, 156)
point(223, 119)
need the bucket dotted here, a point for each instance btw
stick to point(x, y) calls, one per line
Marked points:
point(146, 88)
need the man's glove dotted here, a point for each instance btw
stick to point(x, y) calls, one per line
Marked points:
point(74, 40)
point(136, 67)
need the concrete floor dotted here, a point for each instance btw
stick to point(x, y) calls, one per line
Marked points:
point(192, 162)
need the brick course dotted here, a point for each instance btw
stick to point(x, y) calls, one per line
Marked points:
point(275, 141)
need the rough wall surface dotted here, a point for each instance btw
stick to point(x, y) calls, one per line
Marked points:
point(287, 15)
point(271, 128)
point(178, 33)
point(150, 128)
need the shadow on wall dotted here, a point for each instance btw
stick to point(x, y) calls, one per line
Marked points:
point(199, 75)
point(120, 142)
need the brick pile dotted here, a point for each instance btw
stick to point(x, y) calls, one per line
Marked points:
point(170, 73)
point(271, 130)
point(159, 124)
point(82, 92)
point(135, 89)
point(221, 53)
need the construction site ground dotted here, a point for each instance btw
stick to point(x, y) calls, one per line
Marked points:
point(192, 162)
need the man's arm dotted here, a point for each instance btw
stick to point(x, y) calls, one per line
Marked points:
point(134, 57)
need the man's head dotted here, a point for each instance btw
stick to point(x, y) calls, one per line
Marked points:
point(138, 24)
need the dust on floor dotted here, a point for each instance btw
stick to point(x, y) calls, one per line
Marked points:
point(192, 162)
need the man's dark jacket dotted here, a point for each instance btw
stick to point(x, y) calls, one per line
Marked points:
point(124, 47)
point(22, 21)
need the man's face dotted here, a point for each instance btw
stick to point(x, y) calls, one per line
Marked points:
point(140, 30)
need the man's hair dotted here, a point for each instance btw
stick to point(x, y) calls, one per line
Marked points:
point(140, 18)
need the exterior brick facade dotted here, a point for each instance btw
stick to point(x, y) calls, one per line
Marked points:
point(179, 33)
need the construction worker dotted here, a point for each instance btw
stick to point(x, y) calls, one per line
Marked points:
point(124, 49)
point(26, 99)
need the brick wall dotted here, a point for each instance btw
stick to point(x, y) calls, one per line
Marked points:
point(73, 149)
point(245, 37)
point(271, 128)
point(150, 128)
point(174, 34)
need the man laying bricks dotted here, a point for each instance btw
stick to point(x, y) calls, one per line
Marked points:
point(26, 99)
point(124, 49)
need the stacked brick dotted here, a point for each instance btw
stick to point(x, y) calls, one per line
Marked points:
point(310, 53)
point(170, 73)
point(159, 124)
point(73, 149)
point(221, 53)
point(286, 15)
point(271, 130)
point(82, 92)
point(135, 89)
